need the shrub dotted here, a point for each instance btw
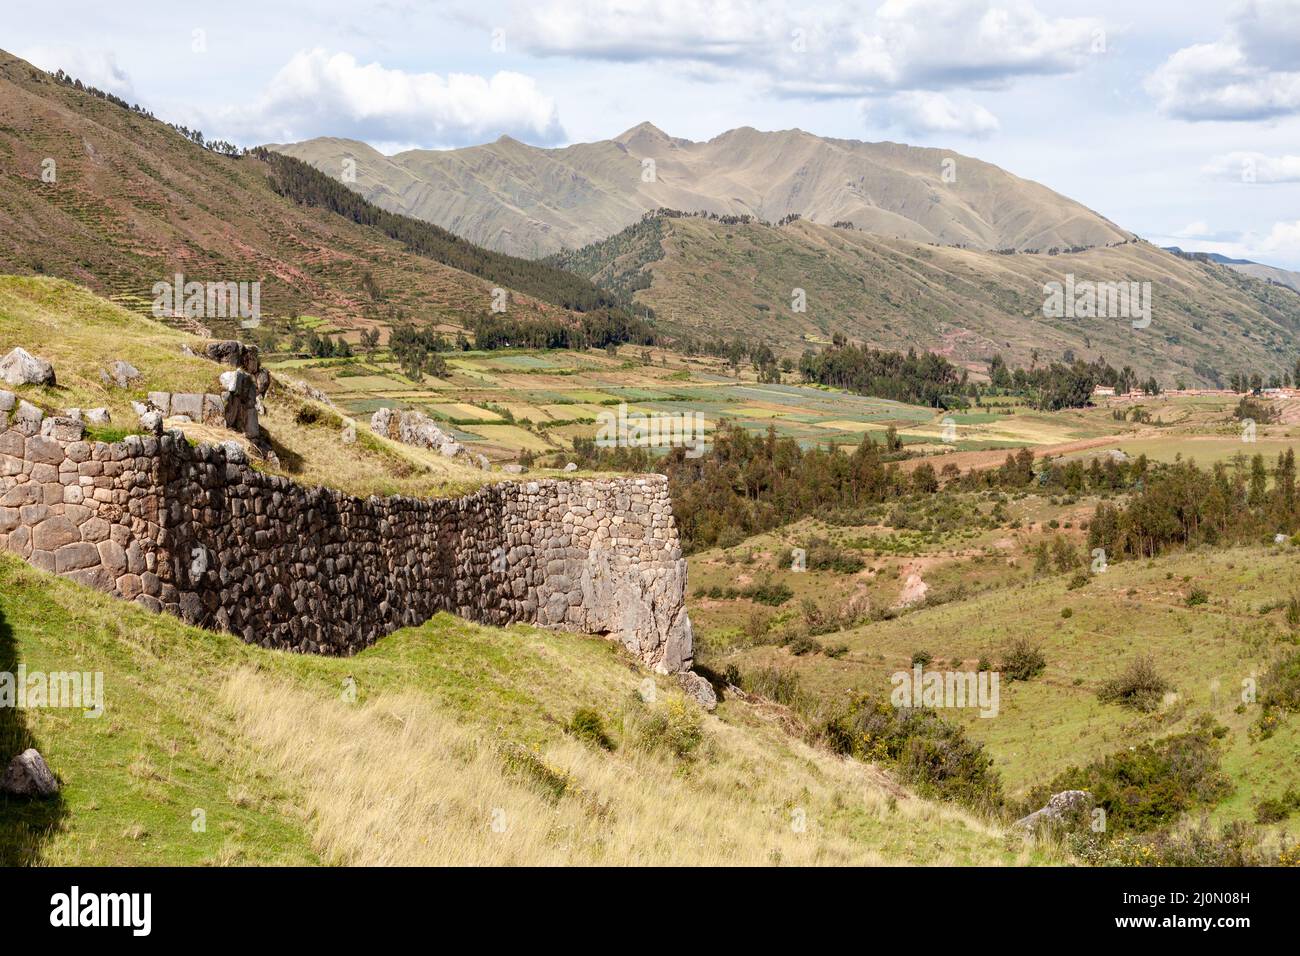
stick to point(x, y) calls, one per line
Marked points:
point(835, 651)
point(588, 727)
point(1197, 596)
point(1280, 693)
point(927, 751)
point(675, 727)
point(921, 658)
point(773, 595)
point(1139, 686)
point(1067, 613)
point(1275, 810)
point(1150, 785)
point(1022, 661)
point(804, 644)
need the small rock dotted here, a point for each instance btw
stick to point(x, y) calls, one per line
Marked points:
point(122, 374)
point(21, 367)
point(570, 467)
point(514, 468)
point(74, 414)
point(235, 453)
point(349, 436)
point(28, 775)
point(7, 401)
point(698, 689)
point(152, 423)
point(98, 416)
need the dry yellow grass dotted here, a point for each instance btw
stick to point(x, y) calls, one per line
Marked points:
point(394, 781)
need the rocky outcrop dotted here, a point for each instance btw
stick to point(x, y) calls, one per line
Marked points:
point(416, 428)
point(1069, 808)
point(28, 775)
point(245, 358)
point(21, 367)
point(198, 533)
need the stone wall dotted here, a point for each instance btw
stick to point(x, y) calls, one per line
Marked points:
point(198, 533)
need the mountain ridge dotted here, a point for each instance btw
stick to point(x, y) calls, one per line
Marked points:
point(535, 201)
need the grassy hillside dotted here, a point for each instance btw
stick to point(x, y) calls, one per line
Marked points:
point(82, 334)
point(705, 278)
point(134, 202)
point(984, 595)
point(453, 751)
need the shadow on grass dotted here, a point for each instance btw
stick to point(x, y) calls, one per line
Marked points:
point(24, 823)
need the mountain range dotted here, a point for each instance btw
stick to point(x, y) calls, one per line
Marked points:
point(531, 201)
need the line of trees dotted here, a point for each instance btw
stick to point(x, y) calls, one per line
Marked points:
point(917, 378)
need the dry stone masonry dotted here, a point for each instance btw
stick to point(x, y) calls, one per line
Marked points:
point(198, 533)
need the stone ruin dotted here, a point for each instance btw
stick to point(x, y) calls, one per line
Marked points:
point(198, 533)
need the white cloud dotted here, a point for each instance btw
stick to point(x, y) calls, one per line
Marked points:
point(319, 93)
point(1251, 73)
point(818, 50)
point(920, 111)
point(1199, 229)
point(1246, 167)
point(99, 68)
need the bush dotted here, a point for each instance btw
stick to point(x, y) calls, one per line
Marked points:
point(675, 728)
point(773, 595)
point(1276, 810)
point(928, 752)
point(804, 644)
point(1151, 785)
point(1139, 686)
point(1280, 692)
point(1022, 661)
point(588, 727)
point(1197, 596)
point(1067, 613)
point(921, 658)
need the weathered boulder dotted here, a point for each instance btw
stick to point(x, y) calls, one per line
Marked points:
point(152, 423)
point(514, 468)
point(21, 367)
point(7, 401)
point(28, 775)
point(98, 416)
point(698, 689)
point(245, 358)
point(1069, 808)
point(240, 403)
point(121, 374)
point(349, 434)
point(570, 467)
point(416, 428)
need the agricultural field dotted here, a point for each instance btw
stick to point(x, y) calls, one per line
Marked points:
point(505, 403)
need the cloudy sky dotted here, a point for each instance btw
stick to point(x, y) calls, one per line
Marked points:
point(1178, 119)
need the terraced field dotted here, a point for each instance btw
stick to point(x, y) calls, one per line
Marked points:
point(508, 402)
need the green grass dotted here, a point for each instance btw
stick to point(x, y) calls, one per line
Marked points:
point(172, 740)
